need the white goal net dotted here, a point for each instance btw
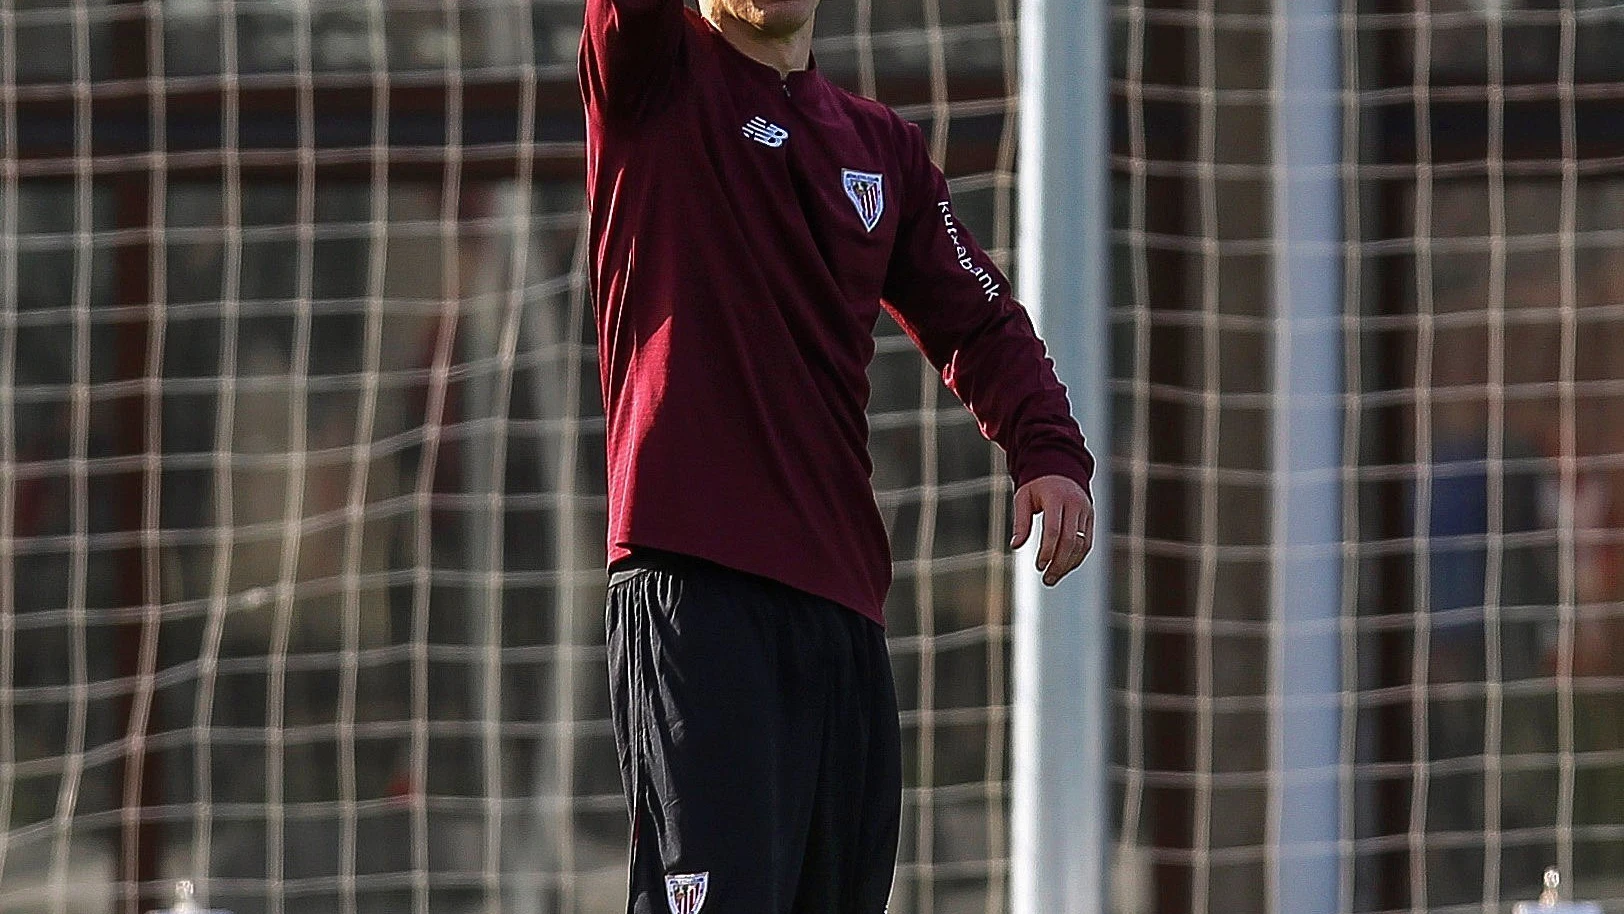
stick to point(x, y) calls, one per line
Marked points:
point(1479, 691)
point(302, 514)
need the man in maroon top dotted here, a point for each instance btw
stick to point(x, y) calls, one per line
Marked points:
point(748, 221)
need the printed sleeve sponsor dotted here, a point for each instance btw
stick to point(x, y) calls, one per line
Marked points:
point(989, 286)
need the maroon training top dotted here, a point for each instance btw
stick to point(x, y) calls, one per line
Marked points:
point(746, 230)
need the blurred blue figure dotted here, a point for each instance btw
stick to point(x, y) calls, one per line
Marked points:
point(1458, 531)
point(1457, 543)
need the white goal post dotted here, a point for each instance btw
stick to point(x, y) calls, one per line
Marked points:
point(1060, 803)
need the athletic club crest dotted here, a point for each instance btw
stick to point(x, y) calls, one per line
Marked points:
point(867, 193)
point(685, 892)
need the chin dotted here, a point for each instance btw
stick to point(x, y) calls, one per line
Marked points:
point(784, 17)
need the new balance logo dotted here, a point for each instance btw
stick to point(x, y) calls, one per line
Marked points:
point(765, 132)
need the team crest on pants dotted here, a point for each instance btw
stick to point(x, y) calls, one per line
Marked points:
point(867, 193)
point(685, 892)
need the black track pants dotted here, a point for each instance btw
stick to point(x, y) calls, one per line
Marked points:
point(758, 739)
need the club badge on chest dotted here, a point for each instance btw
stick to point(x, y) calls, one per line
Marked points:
point(867, 192)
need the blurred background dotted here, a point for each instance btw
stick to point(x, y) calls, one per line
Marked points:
point(302, 509)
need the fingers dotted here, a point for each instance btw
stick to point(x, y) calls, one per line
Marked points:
point(1023, 517)
point(1088, 534)
point(1053, 522)
point(1081, 542)
point(1067, 534)
point(1068, 549)
point(1077, 540)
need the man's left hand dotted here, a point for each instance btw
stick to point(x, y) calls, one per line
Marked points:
point(1068, 524)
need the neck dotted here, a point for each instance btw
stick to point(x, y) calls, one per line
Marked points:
point(785, 53)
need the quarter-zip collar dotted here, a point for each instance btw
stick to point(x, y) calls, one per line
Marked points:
point(793, 84)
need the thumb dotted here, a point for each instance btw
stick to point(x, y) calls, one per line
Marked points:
point(1023, 517)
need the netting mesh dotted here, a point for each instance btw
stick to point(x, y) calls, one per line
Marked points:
point(301, 529)
point(1484, 501)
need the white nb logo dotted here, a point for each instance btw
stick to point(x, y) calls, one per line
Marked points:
point(765, 133)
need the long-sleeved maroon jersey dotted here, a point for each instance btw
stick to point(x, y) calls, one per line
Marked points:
point(746, 230)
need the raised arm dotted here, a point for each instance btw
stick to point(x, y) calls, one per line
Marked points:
point(628, 48)
point(956, 305)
